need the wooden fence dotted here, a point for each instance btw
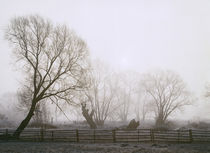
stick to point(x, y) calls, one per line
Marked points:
point(109, 136)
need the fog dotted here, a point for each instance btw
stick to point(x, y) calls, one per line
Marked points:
point(138, 36)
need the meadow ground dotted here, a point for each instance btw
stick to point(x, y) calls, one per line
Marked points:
point(60, 147)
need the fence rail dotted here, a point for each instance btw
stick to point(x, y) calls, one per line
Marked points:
point(103, 136)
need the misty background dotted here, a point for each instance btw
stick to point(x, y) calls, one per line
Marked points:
point(138, 36)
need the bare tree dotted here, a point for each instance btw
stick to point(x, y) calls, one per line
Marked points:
point(124, 94)
point(141, 107)
point(53, 58)
point(167, 93)
point(124, 100)
point(101, 94)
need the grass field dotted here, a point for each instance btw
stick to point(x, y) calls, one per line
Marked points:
point(60, 147)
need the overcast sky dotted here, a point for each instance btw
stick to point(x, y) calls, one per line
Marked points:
point(133, 34)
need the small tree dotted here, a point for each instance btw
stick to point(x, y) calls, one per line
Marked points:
point(167, 93)
point(53, 58)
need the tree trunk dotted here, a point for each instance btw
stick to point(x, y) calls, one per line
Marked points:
point(25, 122)
point(160, 122)
point(88, 116)
point(100, 122)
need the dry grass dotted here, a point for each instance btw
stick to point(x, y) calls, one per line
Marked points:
point(23, 147)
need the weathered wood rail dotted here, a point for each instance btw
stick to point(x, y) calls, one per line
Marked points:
point(109, 136)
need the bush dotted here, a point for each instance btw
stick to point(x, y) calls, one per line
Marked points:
point(199, 125)
point(4, 122)
point(169, 125)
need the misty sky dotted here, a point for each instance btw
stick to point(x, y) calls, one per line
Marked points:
point(133, 34)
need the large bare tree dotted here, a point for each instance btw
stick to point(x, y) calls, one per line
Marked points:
point(167, 93)
point(53, 58)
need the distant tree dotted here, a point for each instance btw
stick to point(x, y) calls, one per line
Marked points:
point(124, 94)
point(141, 106)
point(101, 94)
point(207, 94)
point(3, 117)
point(167, 93)
point(124, 100)
point(53, 58)
point(4, 122)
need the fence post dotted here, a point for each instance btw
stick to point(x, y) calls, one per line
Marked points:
point(52, 135)
point(152, 135)
point(190, 135)
point(77, 135)
point(94, 136)
point(42, 134)
point(178, 132)
point(6, 134)
point(138, 135)
point(114, 135)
